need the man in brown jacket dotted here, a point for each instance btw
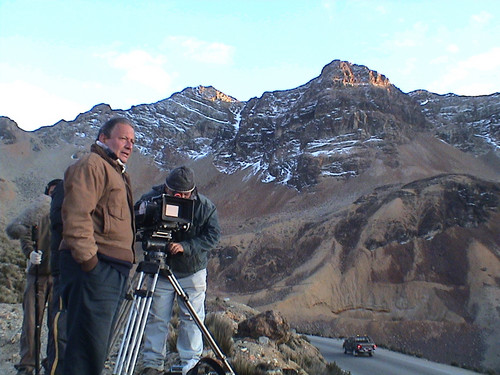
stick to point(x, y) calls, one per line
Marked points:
point(96, 253)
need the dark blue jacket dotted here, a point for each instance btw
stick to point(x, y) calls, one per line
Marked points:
point(202, 236)
point(56, 226)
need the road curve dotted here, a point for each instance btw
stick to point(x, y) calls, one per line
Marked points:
point(383, 362)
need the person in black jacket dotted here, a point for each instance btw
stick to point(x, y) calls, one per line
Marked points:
point(57, 334)
point(187, 259)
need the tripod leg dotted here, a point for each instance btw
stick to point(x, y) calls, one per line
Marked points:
point(141, 324)
point(125, 309)
point(206, 333)
point(129, 328)
point(139, 311)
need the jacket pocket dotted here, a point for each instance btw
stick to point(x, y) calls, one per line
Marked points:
point(117, 211)
point(114, 217)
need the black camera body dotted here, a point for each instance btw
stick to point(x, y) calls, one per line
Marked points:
point(158, 219)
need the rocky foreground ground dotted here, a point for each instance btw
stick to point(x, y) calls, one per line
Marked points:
point(262, 343)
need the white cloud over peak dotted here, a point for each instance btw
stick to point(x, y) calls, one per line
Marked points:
point(413, 37)
point(476, 75)
point(200, 50)
point(141, 67)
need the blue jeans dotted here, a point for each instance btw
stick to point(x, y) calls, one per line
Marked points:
point(92, 300)
point(190, 339)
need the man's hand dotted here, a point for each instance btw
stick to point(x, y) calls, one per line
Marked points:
point(36, 257)
point(175, 248)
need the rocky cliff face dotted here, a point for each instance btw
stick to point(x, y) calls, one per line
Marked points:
point(332, 126)
point(335, 125)
point(468, 123)
point(345, 203)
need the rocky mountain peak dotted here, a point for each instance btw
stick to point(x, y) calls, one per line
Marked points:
point(8, 130)
point(347, 74)
point(212, 94)
point(333, 126)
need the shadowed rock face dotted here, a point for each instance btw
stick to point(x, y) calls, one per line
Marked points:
point(345, 204)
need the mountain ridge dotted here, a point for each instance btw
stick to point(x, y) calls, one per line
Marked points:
point(344, 186)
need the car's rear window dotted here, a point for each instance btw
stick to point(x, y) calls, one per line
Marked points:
point(363, 339)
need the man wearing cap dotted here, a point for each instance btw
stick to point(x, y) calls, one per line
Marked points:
point(188, 257)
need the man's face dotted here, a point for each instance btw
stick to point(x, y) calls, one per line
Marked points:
point(178, 193)
point(121, 141)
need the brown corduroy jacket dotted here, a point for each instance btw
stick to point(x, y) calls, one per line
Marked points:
point(97, 210)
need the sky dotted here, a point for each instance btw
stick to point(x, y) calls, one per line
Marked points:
point(60, 58)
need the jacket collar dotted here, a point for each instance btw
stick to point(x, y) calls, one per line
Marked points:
point(104, 152)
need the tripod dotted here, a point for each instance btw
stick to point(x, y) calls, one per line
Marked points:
point(138, 306)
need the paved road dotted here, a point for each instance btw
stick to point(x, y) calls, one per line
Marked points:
point(383, 362)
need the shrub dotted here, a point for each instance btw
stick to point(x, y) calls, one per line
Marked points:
point(333, 369)
point(242, 366)
point(222, 332)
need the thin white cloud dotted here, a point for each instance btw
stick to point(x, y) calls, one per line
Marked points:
point(328, 4)
point(482, 17)
point(329, 9)
point(200, 50)
point(141, 67)
point(409, 66)
point(410, 38)
point(381, 9)
point(453, 49)
point(444, 59)
point(31, 106)
point(477, 75)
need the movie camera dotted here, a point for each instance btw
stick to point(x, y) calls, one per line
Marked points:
point(159, 220)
